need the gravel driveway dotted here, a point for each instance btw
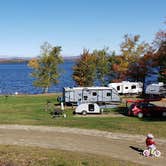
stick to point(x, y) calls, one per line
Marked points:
point(117, 145)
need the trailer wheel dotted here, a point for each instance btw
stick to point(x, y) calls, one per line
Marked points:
point(84, 112)
point(140, 115)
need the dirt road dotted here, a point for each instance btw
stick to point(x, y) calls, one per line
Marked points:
point(117, 145)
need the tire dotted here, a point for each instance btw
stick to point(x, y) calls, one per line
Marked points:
point(84, 112)
point(157, 153)
point(164, 114)
point(146, 153)
point(140, 115)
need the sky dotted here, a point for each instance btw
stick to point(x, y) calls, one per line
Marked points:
point(76, 24)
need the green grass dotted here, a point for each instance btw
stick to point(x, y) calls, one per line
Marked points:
point(30, 110)
point(28, 156)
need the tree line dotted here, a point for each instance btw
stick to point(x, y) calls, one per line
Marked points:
point(136, 60)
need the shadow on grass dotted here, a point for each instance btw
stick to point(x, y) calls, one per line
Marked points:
point(150, 119)
point(121, 110)
point(137, 149)
point(124, 111)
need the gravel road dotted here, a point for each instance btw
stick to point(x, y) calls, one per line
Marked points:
point(117, 145)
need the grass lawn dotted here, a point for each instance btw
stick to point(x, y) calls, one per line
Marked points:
point(30, 110)
point(28, 156)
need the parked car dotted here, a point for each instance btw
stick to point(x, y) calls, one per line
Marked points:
point(88, 108)
point(145, 108)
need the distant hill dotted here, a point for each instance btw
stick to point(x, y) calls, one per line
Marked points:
point(70, 58)
point(22, 59)
point(14, 60)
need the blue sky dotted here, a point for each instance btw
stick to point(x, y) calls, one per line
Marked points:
point(75, 24)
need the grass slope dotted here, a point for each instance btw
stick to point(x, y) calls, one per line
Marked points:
point(27, 156)
point(30, 110)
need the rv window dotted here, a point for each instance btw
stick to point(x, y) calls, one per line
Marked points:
point(94, 94)
point(118, 87)
point(108, 94)
point(133, 87)
point(85, 97)
point(126, 87)
point(91, 107)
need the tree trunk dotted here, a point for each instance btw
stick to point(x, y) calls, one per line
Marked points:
point(45, 90)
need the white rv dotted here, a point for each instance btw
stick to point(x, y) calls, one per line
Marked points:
point(101, 95)
point(127, 87)
point(158, 89)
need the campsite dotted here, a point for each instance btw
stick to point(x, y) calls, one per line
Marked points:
point(82, 83)
point(23, 111)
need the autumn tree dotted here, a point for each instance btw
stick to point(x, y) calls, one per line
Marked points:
point(160, 54)
point(45, 67)
point(102, 65)
point(131, 52)
point(84, 69)
point(142, 68)
point(114, 61)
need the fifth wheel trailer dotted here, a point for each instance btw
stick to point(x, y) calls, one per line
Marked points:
point(126, 87)
point(100, 95)
point(157, 89)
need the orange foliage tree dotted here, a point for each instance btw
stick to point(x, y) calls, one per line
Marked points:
point(160, 54)
point(84, 70)
point(131, 52)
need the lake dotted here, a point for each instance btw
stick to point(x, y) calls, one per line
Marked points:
point(15, 77)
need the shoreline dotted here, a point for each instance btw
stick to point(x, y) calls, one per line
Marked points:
point(40, 94)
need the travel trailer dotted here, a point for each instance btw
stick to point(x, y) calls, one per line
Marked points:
point(88, 108)
point(127, 87)
point(158, 89)
point(100, 95)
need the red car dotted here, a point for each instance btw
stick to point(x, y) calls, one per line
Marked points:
point(142, 108)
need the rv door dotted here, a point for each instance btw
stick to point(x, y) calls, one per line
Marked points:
point(71, 96)
point(85, 95)
point(107, 95)
point(94, 96)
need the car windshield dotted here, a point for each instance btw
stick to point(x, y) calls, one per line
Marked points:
point(131, 106)
point(151, 105)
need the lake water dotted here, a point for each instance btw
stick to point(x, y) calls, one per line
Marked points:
point(15, 77)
